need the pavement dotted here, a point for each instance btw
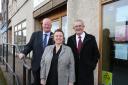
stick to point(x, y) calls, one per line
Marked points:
point(18, 70)
point(2, 78)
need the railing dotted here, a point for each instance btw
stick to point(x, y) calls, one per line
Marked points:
point(27, 68)
point(11, 70)
point(4, 59)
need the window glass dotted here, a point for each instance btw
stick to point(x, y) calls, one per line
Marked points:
point(20, 33)
point(115, 42)
point(64, 27)
point(15, 28)
point(55, 25)
point(23, 24)
point(19, 27)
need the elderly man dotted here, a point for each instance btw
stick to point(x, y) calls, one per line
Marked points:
point(85, 52)
point(39, 40)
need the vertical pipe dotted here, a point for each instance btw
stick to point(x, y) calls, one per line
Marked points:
point(24, 75)
point(13, 64)
point(3, 54)
point(29, 76)
point(7, 33)
point(6, 57)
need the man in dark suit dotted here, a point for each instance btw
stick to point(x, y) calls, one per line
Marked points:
point(85, 52)
point(38, 41)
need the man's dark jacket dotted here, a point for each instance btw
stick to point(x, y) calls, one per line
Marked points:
point(86, 61)
point(36, 45)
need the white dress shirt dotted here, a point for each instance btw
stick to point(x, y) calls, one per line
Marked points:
point(82, 38)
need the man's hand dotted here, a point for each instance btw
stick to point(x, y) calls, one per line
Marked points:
point(42, 82)
point(21, 55)
point(70, 83)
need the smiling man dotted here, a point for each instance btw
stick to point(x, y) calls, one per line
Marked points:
point(39, 40)
point(85, 52)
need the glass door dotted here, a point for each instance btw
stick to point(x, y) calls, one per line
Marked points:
point(115, 43)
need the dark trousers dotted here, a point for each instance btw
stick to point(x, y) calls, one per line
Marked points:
point(36, 75)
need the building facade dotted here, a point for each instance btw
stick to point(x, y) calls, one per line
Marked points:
point(107, 20)
point(21, 25)
point(3, 27)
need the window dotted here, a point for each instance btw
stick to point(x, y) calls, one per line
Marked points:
point(20, 33)
point(55, 25)
point(60, 22)
point(115, 42)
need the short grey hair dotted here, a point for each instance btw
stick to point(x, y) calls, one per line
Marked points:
point(80, 20)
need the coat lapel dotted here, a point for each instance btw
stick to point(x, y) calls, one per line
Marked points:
point(51, 52)
point(40, 38)
point(86, 38)
point(62, 51)
point(50, 41)
point(74, 40)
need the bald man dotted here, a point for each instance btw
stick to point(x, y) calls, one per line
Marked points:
point(38, 41)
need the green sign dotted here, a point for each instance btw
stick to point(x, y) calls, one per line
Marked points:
point(106, 78)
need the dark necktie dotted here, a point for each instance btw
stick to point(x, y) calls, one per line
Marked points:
point(79, 44)
point(45, 40)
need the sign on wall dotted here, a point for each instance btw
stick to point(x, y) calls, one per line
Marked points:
point(106, 78)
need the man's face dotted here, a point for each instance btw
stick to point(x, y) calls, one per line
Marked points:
point(78, 27)
point(46, 25)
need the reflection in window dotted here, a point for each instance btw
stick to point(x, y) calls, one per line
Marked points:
point(23, 24)
point(121, 51)
point(24, 36)
point(64, 27)
point(19, 27)
point(20, 33)
point(16, 28)
point(122, 14)
point(115, 19)
point(24, 32)
point(55, 25)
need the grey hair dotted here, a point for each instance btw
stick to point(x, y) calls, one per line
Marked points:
point(80, 20)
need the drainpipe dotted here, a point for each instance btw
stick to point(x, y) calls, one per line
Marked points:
point(6, 33)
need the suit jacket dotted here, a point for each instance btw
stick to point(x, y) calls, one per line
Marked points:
point(86, 61)
point(36, 45)
point(66, 70)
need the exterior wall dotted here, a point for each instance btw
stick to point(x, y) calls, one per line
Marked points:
point(47, 6)
point(4, 20)
point(89, 12)
point(21, 13)
point(0, 30)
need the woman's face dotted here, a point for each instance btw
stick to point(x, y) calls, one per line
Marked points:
point(58, 37)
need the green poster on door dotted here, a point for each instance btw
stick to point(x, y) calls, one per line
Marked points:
point(106, 78)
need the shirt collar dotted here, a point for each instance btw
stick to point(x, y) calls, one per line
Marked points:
point(82, 35)
point(48, 33)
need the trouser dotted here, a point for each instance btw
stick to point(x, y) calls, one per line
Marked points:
point(36, 76)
